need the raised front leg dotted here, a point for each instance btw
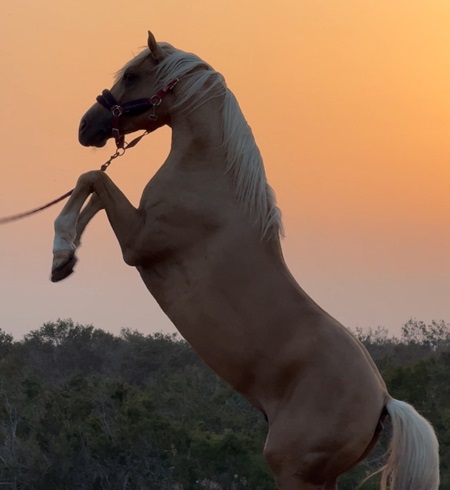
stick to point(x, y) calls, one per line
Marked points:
point(65, 258)
point(70, 224)
point(87, 213)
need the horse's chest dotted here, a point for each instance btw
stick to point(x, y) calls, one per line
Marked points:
point(184, 202)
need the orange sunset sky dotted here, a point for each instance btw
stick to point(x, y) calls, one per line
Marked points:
point(349, 101)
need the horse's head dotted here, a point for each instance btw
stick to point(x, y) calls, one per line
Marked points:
point(134, 102)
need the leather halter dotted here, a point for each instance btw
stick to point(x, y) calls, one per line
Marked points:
point(132, 108)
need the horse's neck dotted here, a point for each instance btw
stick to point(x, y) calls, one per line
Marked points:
point(197, 135)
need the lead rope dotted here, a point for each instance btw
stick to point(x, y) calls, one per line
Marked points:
point(103, 168)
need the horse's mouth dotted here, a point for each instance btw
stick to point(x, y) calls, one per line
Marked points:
point(98, 139)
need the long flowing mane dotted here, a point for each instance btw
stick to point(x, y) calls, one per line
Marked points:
point(244, 162)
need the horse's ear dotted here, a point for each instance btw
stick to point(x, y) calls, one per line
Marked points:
point(155, 48)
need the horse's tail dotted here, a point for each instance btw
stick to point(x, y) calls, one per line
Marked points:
point(413, 453)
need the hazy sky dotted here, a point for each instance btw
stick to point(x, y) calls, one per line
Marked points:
point(349, 102)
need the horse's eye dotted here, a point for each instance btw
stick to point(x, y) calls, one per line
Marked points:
point(129, 78)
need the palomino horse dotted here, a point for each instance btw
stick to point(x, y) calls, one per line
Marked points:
point(205, 240)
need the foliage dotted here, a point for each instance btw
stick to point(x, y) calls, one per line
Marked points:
point(82, 408)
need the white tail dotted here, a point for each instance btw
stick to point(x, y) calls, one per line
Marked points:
point(413, 454)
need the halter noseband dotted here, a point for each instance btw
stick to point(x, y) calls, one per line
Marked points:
point(132, 108)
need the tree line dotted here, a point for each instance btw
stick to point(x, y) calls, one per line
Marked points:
point(81, 408)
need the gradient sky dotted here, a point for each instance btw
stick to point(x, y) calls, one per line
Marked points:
point(349, 102)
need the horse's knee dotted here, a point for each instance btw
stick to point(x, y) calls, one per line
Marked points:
point(90, 179)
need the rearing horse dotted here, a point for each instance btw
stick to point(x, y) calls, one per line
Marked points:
point(206, 242)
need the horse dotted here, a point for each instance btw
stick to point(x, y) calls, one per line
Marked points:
point(205, 240)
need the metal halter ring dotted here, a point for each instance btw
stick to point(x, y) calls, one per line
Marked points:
point(117, 111)
point(155, 100)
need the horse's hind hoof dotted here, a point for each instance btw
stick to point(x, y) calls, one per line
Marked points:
point(63, 270)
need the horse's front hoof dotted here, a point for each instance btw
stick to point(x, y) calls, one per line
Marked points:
point(63, 269)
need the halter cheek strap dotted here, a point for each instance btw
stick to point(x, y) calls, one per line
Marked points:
point(132, 108)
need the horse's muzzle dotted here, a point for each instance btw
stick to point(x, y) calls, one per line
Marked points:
point(93, 132)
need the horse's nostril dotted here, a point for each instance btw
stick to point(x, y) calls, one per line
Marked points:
point(83, 124)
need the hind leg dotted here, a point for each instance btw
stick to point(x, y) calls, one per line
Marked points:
point(304, 460)
point(289, 480)
point(296, 483)
point(288, 468)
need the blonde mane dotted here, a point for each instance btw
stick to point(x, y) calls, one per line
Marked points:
point(244, 162)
